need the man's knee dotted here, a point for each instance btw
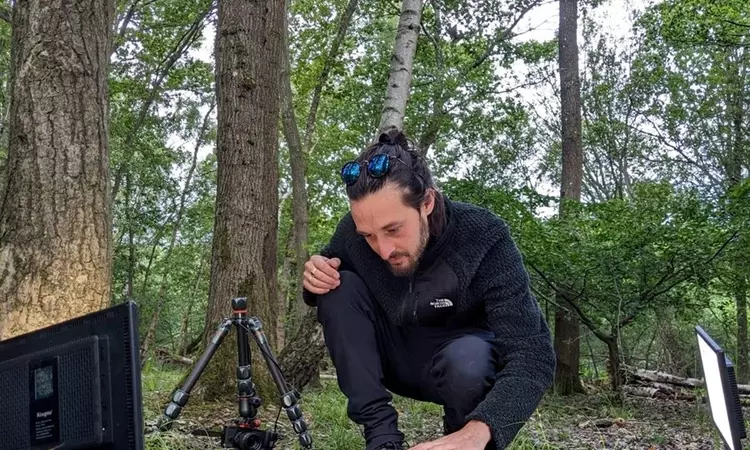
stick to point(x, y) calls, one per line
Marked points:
point(348, 294)
point(463, 370)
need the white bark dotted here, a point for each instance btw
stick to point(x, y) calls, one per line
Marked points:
point(402, 63)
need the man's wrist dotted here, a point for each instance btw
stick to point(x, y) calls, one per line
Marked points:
point(480, 429)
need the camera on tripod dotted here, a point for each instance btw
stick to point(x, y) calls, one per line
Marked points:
point(246, 434)
point(248, 439)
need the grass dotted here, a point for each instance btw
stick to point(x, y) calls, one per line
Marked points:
point(559, 423)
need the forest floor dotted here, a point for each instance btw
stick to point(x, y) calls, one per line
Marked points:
point(585, 421)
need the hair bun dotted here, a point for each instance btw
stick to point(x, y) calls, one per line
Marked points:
point(393, 136)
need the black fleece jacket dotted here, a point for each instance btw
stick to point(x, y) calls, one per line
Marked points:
point(476, 251)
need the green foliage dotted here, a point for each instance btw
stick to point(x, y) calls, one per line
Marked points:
point(619, 258)
point(159, 94)
point(695, 83)
point(701, 22)
point(620, 262)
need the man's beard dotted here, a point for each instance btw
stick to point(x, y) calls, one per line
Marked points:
point(413, 261)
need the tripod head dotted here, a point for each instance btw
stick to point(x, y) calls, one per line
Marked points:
point(239, 305)
point(246, 434)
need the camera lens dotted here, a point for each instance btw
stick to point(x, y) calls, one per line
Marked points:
point(247, 441)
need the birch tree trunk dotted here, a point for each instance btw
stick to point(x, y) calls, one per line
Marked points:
point(55, 221)
point(402, 64)
point(567, 328)
point(243, 260)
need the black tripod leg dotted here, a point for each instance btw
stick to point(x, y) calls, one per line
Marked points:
point(289, 398)
point(248, 401)
point(181, 395)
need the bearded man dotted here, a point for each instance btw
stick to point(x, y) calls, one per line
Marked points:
point(427, 298)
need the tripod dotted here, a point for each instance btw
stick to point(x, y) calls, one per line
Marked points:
point(247, 435)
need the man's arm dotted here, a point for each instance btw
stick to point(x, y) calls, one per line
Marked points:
point(526, 359)
point(336, 248)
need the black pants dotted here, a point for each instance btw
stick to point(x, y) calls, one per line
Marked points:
point(372, 356)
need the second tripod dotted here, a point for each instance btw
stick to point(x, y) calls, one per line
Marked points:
point(246, 435)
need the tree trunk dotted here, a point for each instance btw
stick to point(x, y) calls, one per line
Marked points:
point(307, 342)
point(567, 327)
point(131, 241)
point(55, 222)
point(285, 280)
point(567, 349)
point(298, 165)
point(740, 297)
point(243, 260)
point(614, 367)
point(184, 340)
point(5, 44)
point(301, 357)
point(402, 63)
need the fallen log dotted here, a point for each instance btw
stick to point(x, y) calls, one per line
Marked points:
point(639, 375)
point(163, 355)
point(664, 392)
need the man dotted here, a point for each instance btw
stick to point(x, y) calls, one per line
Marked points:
point(429, 299)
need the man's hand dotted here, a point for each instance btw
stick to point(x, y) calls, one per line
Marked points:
point(475, 435)
point(321, 274)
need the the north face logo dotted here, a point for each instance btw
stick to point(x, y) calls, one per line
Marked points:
point(441, 303)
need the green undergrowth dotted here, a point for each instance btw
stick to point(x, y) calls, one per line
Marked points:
point(558, 423)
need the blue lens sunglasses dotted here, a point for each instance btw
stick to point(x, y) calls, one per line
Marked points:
point(378, 166)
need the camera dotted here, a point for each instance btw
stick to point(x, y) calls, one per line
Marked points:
point(248, 439)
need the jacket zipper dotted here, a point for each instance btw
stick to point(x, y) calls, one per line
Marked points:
point(414, 301)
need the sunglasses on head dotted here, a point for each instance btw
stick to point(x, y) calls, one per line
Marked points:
point(378, 166)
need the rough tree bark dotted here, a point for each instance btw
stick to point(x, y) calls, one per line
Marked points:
point(243, 260)
point(614, 366)
point(55, 221)
point(567, 329)
point(402, 63)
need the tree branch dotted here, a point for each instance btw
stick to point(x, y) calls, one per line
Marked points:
point(730, 21)
point(652, 293)
point(547, 298)
point(702, 166)
point(429, 135)
point(333, 52)
point(708, 261)
point(163, 69)
point(571, 301)
point(501, 37)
